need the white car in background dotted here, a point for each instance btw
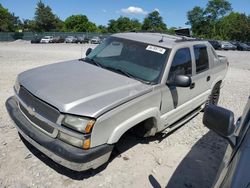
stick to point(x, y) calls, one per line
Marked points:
point(95, 40)
point(227, 46)
point(71, 39)
point(46, 39)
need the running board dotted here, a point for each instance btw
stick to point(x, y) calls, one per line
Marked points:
point(183, 120)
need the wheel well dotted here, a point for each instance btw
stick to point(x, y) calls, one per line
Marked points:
point(145, 128)
point(219, 82)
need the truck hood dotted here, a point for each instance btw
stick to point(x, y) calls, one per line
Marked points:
point(80, 88)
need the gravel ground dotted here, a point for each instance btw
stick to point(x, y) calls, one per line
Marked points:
point(174, 160)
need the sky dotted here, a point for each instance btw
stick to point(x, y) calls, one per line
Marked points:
point(101, 11)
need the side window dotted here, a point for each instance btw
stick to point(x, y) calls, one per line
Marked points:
point(182, 63)
point(201, 58)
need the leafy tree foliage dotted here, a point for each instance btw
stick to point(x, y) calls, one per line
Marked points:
point(235, 26)
point(197, 19)
point(79, 23)
point(8, 21)
point(215, 20)
point(28, 25)
point(102, 29)
point(216, 9)
point(171, 30)
point(218, 21)
point(123, 24)
point(154, 22)
point(45, 19)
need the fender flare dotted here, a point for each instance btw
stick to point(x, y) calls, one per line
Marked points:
point(131, 122)
point(218, 79)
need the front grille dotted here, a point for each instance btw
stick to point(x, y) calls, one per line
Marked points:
point(42, 108)
point(37, 121)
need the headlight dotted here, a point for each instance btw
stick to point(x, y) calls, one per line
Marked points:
point(80, 124)
point(17, 86)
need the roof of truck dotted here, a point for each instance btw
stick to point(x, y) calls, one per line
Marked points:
point(158, 39)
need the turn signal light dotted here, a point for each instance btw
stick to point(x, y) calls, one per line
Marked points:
point(89, 126)
point(86, 144)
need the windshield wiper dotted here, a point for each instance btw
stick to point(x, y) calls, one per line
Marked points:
point(92, 61)
point(127, 74)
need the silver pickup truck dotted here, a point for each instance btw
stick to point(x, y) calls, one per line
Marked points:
point(76, 111)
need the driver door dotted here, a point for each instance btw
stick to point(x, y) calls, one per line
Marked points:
point(176, 101)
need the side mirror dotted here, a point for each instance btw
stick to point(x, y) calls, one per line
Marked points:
point(221, 121)
point(180, 81)
point(88, 51)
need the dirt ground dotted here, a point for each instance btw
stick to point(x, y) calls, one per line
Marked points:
point(189, 157)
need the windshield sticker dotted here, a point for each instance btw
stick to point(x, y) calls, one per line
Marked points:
point(156, 49)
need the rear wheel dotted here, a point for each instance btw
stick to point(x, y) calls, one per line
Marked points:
point(215, 95)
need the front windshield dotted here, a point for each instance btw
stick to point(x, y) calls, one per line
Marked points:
point(139, 60)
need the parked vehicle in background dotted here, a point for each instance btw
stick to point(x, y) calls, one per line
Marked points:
point(83, 40)
point(215, 44)
point(95, 40)
point(241, 46)
point(71, 39)
point(58, 39)
point(36, 40)
point(47, 39)
point(235, 167)
point(224, 45)
point(76, 111)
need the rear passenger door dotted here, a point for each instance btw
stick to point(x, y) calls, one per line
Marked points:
point(202, 77)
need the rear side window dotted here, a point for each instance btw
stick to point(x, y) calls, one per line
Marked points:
point(182, 63)
point(201, 58)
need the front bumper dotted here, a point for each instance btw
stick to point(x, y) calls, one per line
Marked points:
point(64, 154)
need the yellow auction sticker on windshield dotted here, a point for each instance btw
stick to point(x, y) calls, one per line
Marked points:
point(156, 49)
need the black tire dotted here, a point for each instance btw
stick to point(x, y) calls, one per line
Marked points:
point(215, 95)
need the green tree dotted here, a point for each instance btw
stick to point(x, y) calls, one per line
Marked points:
point(206, 22)
point(198, 21)
point(154, 22)
point(235, 26)
point(28, 25)
point(216, 9)
point(171, 30)
point(8, 21)
point(112, 26)
point(79, 23)
point(102, 29)
point(123, 24)
point(45, 20)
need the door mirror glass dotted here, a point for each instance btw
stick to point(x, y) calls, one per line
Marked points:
point(88, 51)
point(221, 121)
point(180, 81)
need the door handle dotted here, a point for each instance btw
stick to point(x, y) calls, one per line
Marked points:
point(192, 85)
point(208, 78)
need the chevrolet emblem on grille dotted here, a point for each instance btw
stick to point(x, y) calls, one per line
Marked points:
point(31, 110)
